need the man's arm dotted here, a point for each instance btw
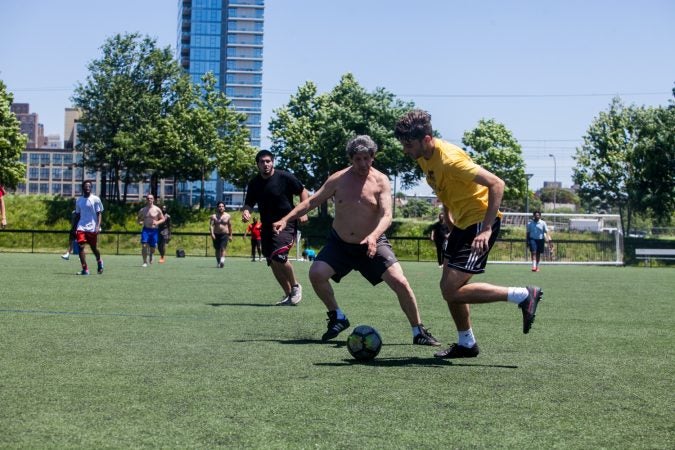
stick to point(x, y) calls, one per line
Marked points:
point(308, 203)
point(98, 221)
point(385, 210)
point(304, 195)
point(211, 223)
point(495, 187)
point(2, 211)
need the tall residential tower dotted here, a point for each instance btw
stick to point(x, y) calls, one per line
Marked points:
point(226, 37)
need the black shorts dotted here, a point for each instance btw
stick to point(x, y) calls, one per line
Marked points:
point(344, 257)
point(276, 246)
point(221, 241)
point(458, 249)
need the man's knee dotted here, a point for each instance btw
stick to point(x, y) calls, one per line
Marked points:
point(319, 272)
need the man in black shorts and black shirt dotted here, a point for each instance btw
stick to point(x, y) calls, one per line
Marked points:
point(363, 212)
point(273, 190)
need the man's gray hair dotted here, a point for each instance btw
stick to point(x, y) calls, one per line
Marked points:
point(360, 144)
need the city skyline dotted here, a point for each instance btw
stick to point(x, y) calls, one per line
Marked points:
point(544, 70)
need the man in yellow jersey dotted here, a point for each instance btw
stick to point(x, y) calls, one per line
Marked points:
point(471, 197)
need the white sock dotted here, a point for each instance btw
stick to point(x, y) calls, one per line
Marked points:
point(466, 338)
point(517, 295)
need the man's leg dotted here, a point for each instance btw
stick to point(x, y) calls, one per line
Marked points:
point(319, 276)
point(144, 252)
point(283, 272)
point(397, 281)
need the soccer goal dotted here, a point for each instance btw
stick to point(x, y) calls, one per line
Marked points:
point(578, 238)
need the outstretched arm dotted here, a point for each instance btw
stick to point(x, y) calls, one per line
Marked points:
point(308, 203)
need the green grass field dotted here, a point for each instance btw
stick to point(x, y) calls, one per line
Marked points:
point(184, 355)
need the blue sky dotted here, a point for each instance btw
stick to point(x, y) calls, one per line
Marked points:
point(543, 68)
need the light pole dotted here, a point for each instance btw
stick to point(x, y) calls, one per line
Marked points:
point(555, 180)
point(527, 192)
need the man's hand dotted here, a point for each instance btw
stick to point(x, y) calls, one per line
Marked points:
point(245, 215)
point(481, 242)
point(371, 242)
point(303, 219)
point(278, 226)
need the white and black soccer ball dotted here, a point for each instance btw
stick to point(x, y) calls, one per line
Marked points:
point(364, 343)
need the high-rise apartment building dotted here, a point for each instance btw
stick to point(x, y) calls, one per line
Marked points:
point(225, 37)
point(29, 124)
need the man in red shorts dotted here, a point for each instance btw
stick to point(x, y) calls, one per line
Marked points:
point(88, 209)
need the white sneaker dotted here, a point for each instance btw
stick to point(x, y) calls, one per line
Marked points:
point(65, 256)
point(145, 265)
point(296, 294)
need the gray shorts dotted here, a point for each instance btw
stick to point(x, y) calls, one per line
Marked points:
point(344, 257)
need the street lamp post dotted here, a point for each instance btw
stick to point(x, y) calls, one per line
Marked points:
point(527, 192)
point(555, 180)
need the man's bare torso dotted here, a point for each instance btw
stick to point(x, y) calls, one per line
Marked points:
point(220, 223)
point(150, 215)
point(358, 207)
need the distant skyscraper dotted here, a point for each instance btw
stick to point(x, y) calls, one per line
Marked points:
point(224, 37)
point(30, 125)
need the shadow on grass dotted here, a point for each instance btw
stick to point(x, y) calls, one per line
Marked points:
point(411, 361)
point(254, 305)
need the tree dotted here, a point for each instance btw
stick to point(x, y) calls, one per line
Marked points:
point(492, 146)
point(12, 142)
point(627, 162)
point(123, 100)
point(417, 208)
point(653, 163)
point(309, 134)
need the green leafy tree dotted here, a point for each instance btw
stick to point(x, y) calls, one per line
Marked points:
point(603, 163)
point(653, 163)
point(128, 91)
point(12, 142)
point(417, 208)
point(492, 146)
point(309, 134)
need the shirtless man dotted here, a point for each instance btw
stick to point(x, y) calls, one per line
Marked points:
point(150, 216)
point(220, 225)
point(363, 212)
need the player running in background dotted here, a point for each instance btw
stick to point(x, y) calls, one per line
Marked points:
point(150, 216)
point(220, 227)
point(273, 190)
point(363, 212)
point(88, 211)
point(471, 197)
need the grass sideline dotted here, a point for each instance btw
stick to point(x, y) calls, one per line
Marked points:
point(184, 355)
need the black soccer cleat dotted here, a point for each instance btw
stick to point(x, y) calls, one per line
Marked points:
point(529, 306)
point(335, 326)
point(458, 351)
point(425, 338)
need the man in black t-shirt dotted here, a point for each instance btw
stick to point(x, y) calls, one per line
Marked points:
point(273, 190)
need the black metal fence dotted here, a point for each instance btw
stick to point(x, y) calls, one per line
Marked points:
point(599, 251)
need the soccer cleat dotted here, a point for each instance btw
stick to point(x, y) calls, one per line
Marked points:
point(296, 294)
point(529, 306)
point(145, 265)
point(335, 326)
point(285, 301)
point(161, 260)
point(537, 269)
point(65, 256)
point(425, 338)
point(534, 269)
point(458, 351)
point(83, 272)
point(100, 267)
point(221, 265)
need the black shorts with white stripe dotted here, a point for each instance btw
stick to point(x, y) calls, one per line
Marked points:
point(458, 251)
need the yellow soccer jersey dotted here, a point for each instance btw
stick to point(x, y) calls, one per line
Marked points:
point(450, 173)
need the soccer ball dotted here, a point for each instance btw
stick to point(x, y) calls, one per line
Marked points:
point(364, 343)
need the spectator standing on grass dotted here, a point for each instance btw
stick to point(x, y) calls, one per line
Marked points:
point(254, 229)
point(220, 227)
point(88, 212)
point(151, 217)
point(537, 236)
point(164, 236)
point(471, 197)
point(439, 234)
point(273, 190)
point(363, 212)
